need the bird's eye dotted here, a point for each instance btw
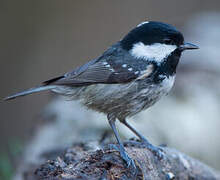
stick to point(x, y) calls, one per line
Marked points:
point(168, 41)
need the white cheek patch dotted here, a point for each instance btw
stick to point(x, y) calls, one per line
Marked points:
point(155, 51)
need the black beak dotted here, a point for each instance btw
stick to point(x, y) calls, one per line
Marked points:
point(188, 46)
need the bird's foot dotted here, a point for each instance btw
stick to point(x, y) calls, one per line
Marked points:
point(129, 161)
point(157, 151)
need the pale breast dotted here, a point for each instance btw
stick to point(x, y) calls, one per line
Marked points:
point(120, 99)
point(150, 94)
point(167, 84)
point(124, 99)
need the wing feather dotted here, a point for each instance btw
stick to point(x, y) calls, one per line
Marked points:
point(107, 69)
point(96, 73)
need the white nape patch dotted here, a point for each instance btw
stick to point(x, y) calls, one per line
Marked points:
point(130, 69)
point(124, 65)
point(145, 22)
point(155, 51)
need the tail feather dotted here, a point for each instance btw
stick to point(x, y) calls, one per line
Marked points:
point(30, 91)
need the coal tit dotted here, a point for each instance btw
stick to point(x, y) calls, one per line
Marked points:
point(127, 78)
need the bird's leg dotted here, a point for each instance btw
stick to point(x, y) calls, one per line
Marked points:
point(121, 149)
point(156, 150)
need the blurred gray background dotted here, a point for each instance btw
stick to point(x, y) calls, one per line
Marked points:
point(45, 38)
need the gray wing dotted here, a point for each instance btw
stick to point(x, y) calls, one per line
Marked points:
point(110, 68)
point(98, 72)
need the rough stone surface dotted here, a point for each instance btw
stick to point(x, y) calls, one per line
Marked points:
point(82, 162)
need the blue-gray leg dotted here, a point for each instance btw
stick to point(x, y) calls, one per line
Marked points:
point(155, 150)
point(121, 149)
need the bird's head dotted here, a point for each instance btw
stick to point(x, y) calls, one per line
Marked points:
point(155, 41)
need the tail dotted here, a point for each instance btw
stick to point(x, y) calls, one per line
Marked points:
point(46, 85)
point(30, 91)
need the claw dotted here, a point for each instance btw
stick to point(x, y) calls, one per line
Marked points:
point(129, 161)
point(158, 152)
point(155, 150)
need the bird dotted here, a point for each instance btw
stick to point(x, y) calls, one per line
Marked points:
point(130, 76)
